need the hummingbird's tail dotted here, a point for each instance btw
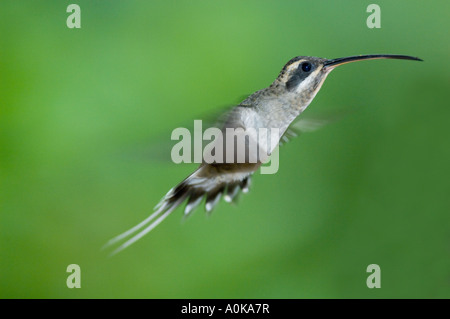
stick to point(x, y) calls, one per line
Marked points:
point(206, 182)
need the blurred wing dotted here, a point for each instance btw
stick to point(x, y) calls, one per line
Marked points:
point(308, 123)
point(158, 147)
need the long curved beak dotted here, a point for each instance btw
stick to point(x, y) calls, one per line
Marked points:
point(331, 64)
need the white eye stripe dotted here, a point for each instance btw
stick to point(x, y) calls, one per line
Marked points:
point(294, 66)
point(305, 83)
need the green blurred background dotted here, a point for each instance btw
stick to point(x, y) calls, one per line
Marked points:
point(77, 106)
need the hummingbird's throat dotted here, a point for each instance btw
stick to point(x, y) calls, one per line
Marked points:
point(307, 89)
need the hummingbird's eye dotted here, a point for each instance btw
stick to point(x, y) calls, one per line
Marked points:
point(298, 75)
point(306, 66)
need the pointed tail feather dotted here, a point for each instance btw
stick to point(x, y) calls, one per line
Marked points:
point(193, 189)
point(148, 228)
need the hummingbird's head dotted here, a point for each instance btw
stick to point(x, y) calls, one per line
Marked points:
point(303, 76)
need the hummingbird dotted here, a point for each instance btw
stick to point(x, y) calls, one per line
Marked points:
point(277, 106)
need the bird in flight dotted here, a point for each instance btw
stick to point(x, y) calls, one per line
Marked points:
point(265, 119)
